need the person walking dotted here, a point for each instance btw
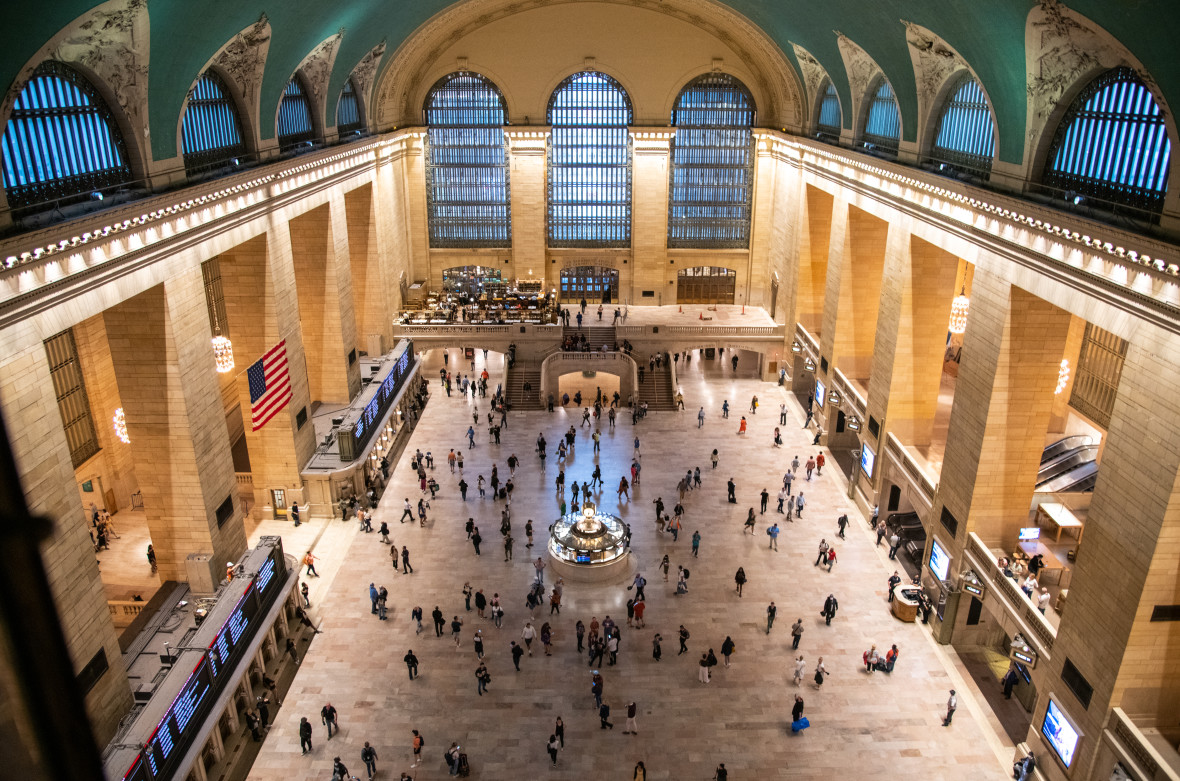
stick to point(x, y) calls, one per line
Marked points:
point(765, 496)
point(456, 627)
point(604, 716)
point(773, 532)
point(800, 666)
point(656, 650)
point(305, 735)
point(517, 653)
point(439, 621)
point(830, 608)
point(552, 748)
point(727, 649)
point(640, 772)
point(797, 710)
point(820, 672)
point(952, 702)
point(701, 417)
point(631, 727)
point(369, 757)
point(894, 579)
point(796, 633)
point(823, 553)
point(771, 612)
point(740, 579)
point(406, 568)
point(799, 502)
point(328, 718)
point(477, 643)
point(894, 543)
point(683, 635)
point(417, 743)
point(481, 678)
point(309, 560)
point(842, 523)
point(703, 669)
point(559, 731)
point(411, 663)
point(696, 543)
point(742, 426)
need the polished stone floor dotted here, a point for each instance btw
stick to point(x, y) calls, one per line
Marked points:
point(862, 726)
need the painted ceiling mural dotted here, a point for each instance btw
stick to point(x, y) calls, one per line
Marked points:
point(989, 36)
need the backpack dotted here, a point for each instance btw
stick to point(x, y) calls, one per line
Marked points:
point(686, 574)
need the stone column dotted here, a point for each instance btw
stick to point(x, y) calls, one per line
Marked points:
point(859, 294)
point(649, 217)
point(1126, 563)
point(814, 242)
point(47, 476)
point(319, 250)
point(258, 278)
point(389, 210)
point(527, 190)
point(374, 286)
point(911, 334)
point(1000, 414)
point(168, 382)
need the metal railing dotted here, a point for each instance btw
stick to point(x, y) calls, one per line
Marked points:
point(1040, 631)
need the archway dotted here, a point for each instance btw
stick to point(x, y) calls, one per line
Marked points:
point(706, 285)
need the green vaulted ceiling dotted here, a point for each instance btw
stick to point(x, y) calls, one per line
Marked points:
point(989, 34)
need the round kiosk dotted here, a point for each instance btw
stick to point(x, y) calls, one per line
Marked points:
point(590, 546)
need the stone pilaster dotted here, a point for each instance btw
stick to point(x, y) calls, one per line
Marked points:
point(859, 299)
point(814, 238)
point(649, 216)
point(374, 289)
point(528, 191)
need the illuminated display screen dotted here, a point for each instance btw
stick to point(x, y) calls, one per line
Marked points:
point(380, 402)
point(265, 576)
point(187, 707)
point(940, 560)
point(225, 644)
point(820, 392)
point(867, 459)
point(1062, 736)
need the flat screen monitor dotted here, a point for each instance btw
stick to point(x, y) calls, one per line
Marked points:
point(1060, 733)
point(940, 560)
point(867, 459)
point(820, 393)
point(1029, 533)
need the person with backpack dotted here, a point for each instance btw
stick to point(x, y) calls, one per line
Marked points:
point(369, 757)
point(830, 608)
point(740, 579)
point(727, 649)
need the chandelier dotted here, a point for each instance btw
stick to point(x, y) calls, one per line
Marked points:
point(1062, 377)
point(959, 308)
point(223, 353)
point(121, 427)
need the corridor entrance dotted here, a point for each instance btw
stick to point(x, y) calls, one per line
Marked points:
point(594, 283)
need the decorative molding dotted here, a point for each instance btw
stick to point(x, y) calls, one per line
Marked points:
point(316, 70)
point(861, 69)
point(412, 61)
point(813, 76)
point(934, 61)
point(1063, 48)
point(364, 72)
point(243, 60)
point(111, 42)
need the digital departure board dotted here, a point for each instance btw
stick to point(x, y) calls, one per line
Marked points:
point(265, 575)
point(354, 438)
point(185, 712)
point(223, 649)
point(138, 770)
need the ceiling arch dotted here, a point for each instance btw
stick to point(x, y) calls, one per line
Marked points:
point(990, 37)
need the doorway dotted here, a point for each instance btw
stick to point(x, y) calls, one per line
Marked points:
point(706, 285)
point(593, 283)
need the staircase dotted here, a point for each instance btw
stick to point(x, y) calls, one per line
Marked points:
point(521, 372)
point(596, 335)
point(656, 389)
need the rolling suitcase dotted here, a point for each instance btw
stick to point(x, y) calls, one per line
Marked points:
point(464, 768)
point(800, 725)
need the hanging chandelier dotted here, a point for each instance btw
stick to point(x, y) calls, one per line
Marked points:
point(121, 427)
point(223, 353)
point(1062, 377)
point(959, 309)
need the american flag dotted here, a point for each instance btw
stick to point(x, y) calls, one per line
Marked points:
point(270, 385)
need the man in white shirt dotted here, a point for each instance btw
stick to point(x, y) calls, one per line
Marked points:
point(1043, 600)
point(951, 703)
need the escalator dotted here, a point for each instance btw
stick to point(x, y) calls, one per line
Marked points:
point(1065, 462)
point(1063, 446)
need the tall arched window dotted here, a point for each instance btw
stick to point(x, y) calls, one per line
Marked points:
point(467, 163)
point(1113, 144)
point(589, 163)
point(712, 172)
point(295, 124)
point(883, 123)
point(829, 121)
point(61, 140)
point(211, 131)
point(965, 130)
point(348, 110)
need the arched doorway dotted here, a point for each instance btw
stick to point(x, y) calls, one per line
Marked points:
point(594, 283)
point(706, 285)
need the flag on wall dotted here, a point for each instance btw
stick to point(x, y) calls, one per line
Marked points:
point(270, 385)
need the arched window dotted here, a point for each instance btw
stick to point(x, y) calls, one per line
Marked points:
point(61, 140)
point(295, 125)
point(1113, 144)
point(467, 163)
point(211, 132)
point(712, 172)
point(965, 131)
point(829, 122)
point(883, 123)
point(589, 163)
point(348, 110)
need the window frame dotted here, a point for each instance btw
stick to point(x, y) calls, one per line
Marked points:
point(206, 159)
point(350, 88)
point(1113, 194)
point(719, 222)
point(829, 134)
point(601, 216)
point(69, 123)
point(290, 141)
point(972, 163)
point(468, 222)
point(885, 144)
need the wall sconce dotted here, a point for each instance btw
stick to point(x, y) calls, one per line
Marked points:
point(834, 398)
point(853, 423)
point(809, 365)
point(796, 347)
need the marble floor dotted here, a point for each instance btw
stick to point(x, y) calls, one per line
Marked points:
point(863, 726)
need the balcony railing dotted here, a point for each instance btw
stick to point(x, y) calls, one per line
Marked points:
point(1151, 760)
point(1039, 631)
